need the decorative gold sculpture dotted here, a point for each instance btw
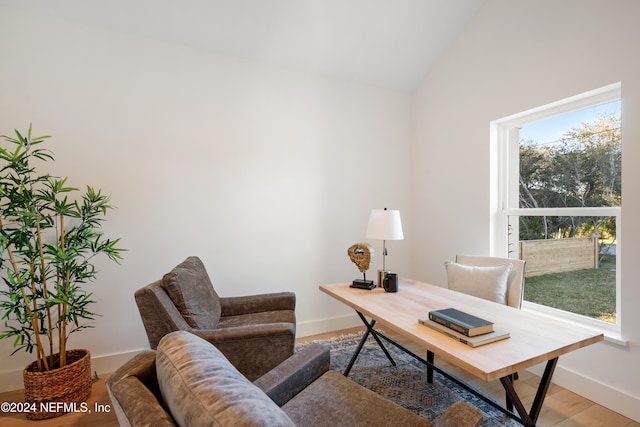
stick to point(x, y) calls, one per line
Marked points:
point(361, 254)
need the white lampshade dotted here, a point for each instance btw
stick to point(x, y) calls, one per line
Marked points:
point(384, 225)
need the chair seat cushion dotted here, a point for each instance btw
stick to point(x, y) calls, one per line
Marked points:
point(489, 283)
point(278, 316)
point(201, 387)
point(334, 400)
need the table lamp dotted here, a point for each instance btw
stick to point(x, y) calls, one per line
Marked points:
point(384, 225)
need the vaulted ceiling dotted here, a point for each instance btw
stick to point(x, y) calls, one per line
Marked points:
point(386, 43)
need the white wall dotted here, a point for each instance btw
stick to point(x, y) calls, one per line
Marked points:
point(265, 173)
point(516, 55)
point(269, 174)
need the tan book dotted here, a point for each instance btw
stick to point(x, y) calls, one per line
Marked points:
point(476, 341)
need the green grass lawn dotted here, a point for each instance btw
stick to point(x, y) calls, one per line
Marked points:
point(590, 292)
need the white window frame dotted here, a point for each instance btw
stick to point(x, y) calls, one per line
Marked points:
point(504, 202)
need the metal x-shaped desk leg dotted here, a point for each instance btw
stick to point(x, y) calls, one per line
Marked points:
point(512, 399)
point(530, 418)
point(373, 333)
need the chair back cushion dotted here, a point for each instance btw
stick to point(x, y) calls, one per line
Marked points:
point(489, 283)
point(515, 282)
point(190, 289)
point(201, 387)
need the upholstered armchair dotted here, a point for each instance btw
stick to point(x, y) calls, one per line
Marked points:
point(184, 299)
point(188, 382)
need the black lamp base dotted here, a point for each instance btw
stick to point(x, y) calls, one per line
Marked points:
point(362, 284)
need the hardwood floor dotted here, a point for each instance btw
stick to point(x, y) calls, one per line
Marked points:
point(561, 408)
point(96, 418)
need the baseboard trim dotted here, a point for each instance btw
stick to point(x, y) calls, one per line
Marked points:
point(10, 381)
point(103, 365)
point(603, 394)
point(314, 327)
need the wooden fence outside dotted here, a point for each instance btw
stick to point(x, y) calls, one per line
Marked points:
point(558, 255)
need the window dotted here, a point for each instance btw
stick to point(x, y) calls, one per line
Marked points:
point(556, 197)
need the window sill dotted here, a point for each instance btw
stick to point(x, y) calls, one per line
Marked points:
point(612, 333)
point(616, 340)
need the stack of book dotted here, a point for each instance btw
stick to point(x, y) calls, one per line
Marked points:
point(466, 328)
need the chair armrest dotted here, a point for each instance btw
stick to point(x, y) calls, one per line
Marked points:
point(293, 375)
point(142, 365)
point(134, 393)
point(158, 312)
point(253, 350)
point(135, 406)
point(459, 415)
point(234, 306)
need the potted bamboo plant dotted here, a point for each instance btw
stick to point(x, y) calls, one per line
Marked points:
point(50, 234)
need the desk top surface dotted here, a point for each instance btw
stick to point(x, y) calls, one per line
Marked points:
point(534, 338)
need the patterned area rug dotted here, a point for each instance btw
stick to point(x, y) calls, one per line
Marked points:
point(406, 384)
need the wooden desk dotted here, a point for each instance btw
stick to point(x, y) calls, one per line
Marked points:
point(534, 338)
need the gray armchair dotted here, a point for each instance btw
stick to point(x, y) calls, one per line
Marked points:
point(184, 299)
point(188, 382)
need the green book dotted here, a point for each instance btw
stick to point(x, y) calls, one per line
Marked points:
point(461, 322)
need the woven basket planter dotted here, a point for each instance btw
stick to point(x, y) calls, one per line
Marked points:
point(56, 392)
